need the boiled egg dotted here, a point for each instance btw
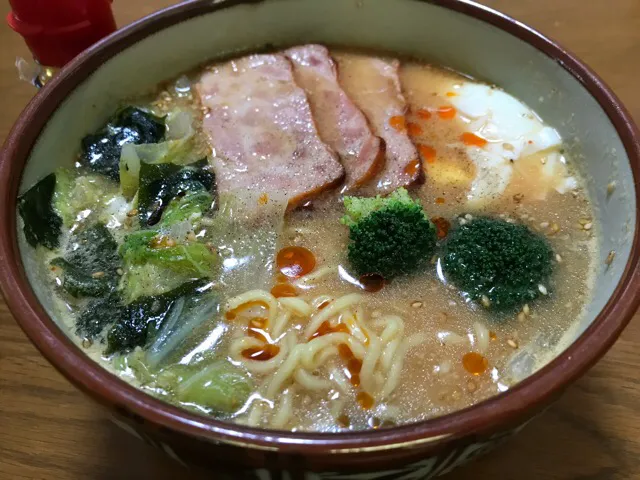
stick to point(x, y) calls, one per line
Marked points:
point(512, 132)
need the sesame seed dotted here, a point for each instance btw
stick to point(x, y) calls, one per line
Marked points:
point(471, 386)
point(583, 221)
point(485, 301)
point(97, 274)
point(610, 257)
point(119, 271)
point(512, 343)
point(555, 228)
point(543, 160)
point(521, 317)
point(87, 342)
point(543, 290)
point(525, 309)
point(558, 258)
point(416, 304)
point(462, 221)
point(611, 187)
point(468, 216)
point(544, 224)
point(587, 226)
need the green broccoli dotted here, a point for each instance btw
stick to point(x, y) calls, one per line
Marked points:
point(388, 235)
point(501, 264)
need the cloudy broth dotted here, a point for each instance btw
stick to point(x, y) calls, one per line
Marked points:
point(449, 352)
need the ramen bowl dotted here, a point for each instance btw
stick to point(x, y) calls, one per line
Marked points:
point(458, 34)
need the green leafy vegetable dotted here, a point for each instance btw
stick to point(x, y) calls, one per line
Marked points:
point(504, 262)
point(101, 150)
point(388, 235)
point(75, 196)
point(220, 386)
point(217, 385)
point(142, 319)
point(180, 148)
point(160, 183)
point(90, 263)
point(192, 205)
point(147, 280)
point(42, 225)
point(150, 246)
point(186, 322)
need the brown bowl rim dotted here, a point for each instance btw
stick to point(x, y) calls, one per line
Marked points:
point(532, 394)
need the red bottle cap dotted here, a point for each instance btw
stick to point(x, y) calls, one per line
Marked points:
point(57, 30)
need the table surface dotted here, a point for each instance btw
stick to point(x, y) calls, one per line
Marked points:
point(48, 430)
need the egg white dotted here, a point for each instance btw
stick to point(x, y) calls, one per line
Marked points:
point(513, 132)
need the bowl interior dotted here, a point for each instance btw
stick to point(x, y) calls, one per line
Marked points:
point(421, 29)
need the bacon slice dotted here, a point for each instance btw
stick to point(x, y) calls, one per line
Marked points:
point(374, 86)
point(261, 130)
point(340, 123)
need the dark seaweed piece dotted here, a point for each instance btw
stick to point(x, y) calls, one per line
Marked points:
point(79, 283)
point(101, 150)
point(142, 319)
point(98, 314)
point(161, 182)
point(41, 223)
point(90, 263)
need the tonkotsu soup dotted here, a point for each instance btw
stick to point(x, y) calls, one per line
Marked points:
point(317, 240)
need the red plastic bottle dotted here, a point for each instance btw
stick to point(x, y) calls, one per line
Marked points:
point(57, 30)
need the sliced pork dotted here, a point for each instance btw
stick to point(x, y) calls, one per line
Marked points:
point(340, 123)
point(374, 86)
point(261, 130)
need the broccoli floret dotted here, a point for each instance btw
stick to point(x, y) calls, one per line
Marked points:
point(500, 263)
point(388, 235)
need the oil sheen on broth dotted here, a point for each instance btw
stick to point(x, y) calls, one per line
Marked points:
point(302, 340)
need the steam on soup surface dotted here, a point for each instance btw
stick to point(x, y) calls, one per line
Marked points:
point(222, 246)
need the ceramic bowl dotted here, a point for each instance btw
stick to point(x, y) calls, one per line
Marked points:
point(458, 34)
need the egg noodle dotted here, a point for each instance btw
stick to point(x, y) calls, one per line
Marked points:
point(323, 345)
